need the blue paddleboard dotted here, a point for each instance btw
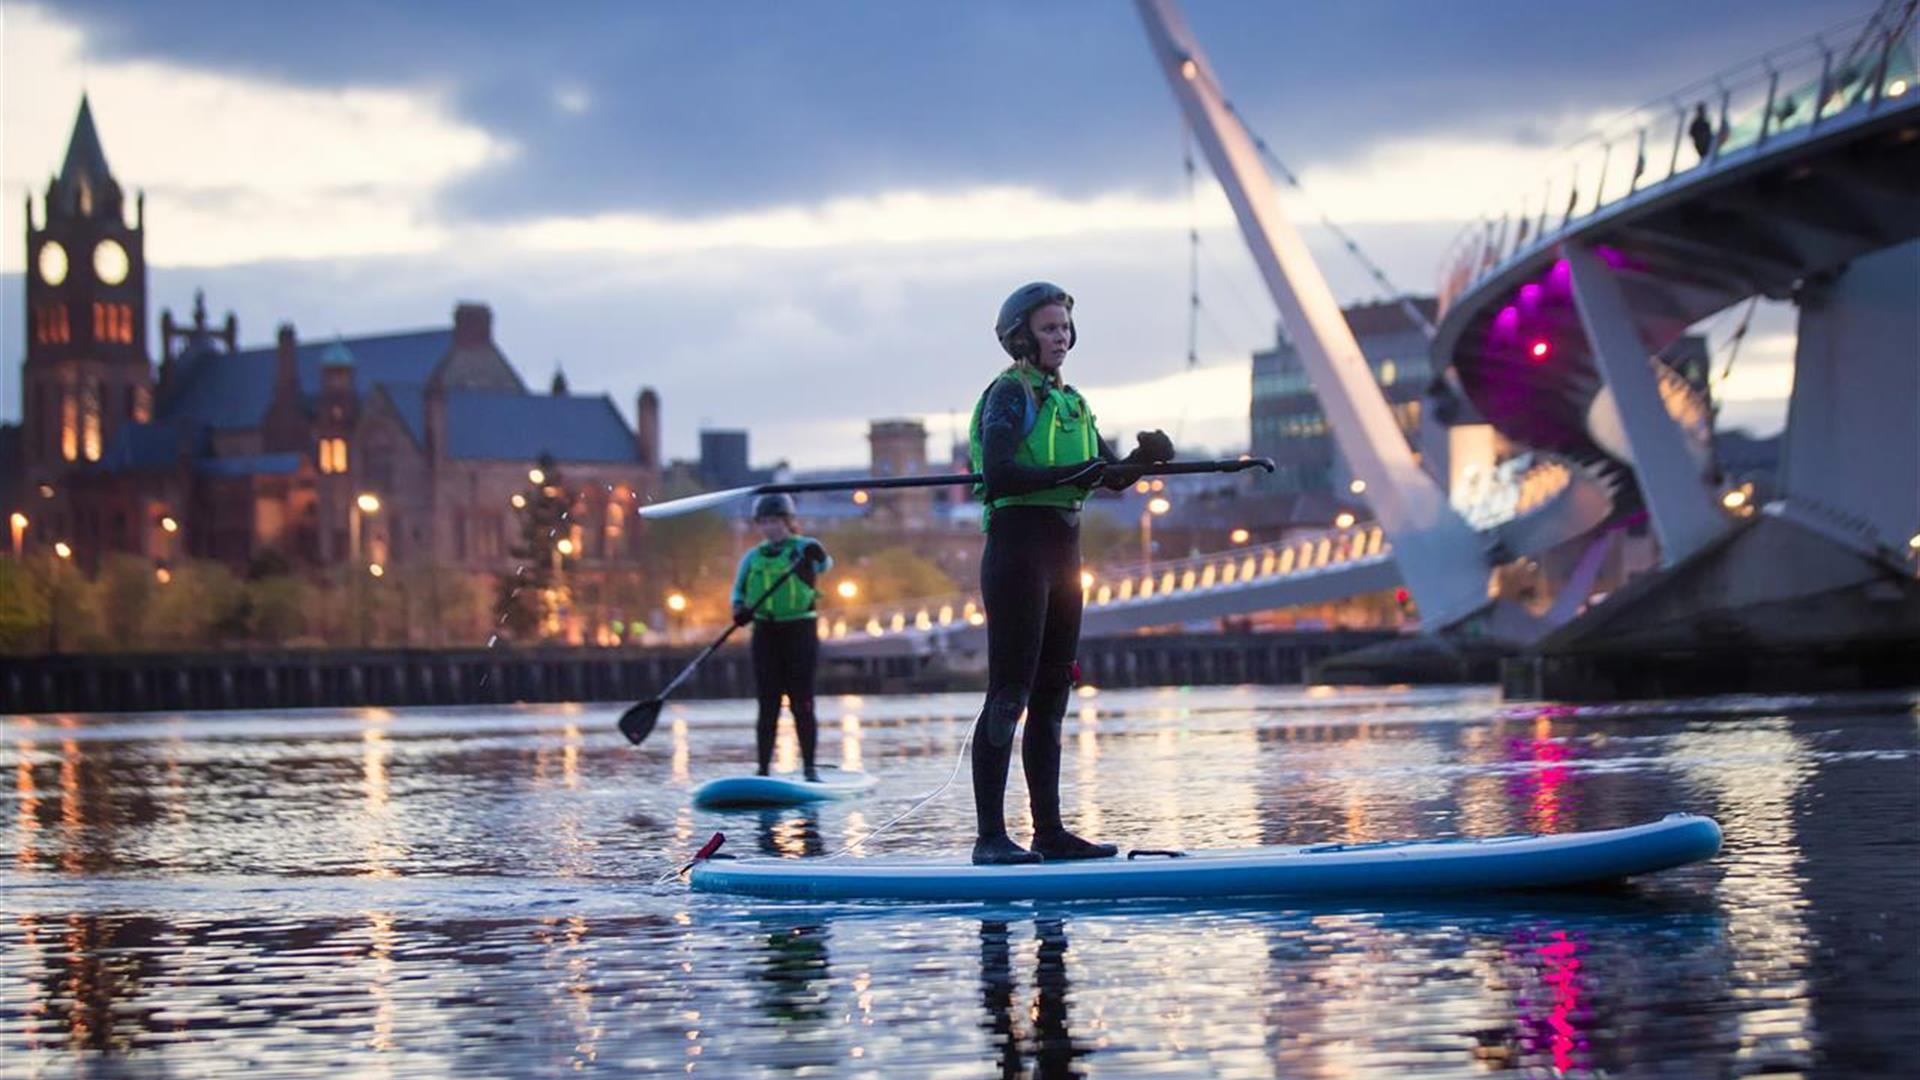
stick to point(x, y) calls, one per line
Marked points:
point(1403, 867)
point(789, 789)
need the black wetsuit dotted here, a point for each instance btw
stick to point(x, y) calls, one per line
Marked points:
point(784, 655)
point(1030, 586)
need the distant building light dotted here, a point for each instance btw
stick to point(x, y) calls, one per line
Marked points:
point(1189, 70)
point(1158, 505)
point(535, 476)
point(1343, 520)
point(860, 498)
point(19, 520)
point(676, 602)
point(1239, 536)
point(1358, 487)
point(1540, 349)
point(519, 501)
point(169, 524)
point(1913, 542)
point(847, 590)
point(1896, 87)
point(163, 575)
point(376, 570)
point(564, 547)
point(1086, 579)
point(1143, 487)
point(368, 503)
point(1159, 485)
point(61, 549)
point(1734, 500)
point(46, 491)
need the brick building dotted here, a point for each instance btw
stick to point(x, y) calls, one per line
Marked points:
point(230, 453)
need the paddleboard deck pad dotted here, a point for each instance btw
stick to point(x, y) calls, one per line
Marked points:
point(753, 792)
point(1403, 868)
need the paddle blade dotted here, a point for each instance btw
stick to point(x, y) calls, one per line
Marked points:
point(692, 503)
point(637, 723)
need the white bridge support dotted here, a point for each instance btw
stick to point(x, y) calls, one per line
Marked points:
point(1440, 558)
point(1680, 499)
point(1851, 466)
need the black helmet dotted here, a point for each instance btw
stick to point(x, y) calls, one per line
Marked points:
point(1011, 327)
point(773, 506)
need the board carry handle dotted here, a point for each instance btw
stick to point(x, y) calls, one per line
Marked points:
point(1155, 853)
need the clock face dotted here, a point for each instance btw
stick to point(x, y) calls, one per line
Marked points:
point(110, 262)
point(53, 263)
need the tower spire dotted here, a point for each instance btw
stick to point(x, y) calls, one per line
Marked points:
point(85, 186)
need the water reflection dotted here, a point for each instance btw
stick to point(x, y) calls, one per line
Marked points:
point(1040, 1031)
point(466, 893)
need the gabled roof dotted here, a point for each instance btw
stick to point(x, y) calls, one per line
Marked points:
point(496, 425)
point(249, 465)
point(156, 445)
point(233, 390)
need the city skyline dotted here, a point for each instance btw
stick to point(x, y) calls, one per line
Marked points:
point(623, 274)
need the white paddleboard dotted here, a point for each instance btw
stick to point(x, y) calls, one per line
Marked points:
point(1403, 868)
point(786, 789)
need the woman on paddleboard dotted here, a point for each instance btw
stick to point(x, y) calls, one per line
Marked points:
point(774, 591)
point(1034, 441)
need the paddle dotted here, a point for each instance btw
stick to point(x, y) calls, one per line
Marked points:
point(637, 722)
point(708, 499)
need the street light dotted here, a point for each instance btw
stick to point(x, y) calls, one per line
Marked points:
point(363, 504)
point(847, 589)
point(1155, 506)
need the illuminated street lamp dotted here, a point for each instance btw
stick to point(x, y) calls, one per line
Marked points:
point(1155, 506)
point(536, 477)
point(61, 549)
point(376, 570)
point(169, 524)
point(1358, 487)
point(1086, 579)
point(847, 589)
point(364, 504)
point(565, 546)
point(163, 575)
point(676, 607)
point(519, 501)
point(1344, 520)
point(860, 498)
point(1239, 536)
point(19, 523)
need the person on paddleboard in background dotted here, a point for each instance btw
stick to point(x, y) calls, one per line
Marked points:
point(1034, 441)
point(786, 634)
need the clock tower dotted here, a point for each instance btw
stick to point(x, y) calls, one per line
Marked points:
point(87, 370)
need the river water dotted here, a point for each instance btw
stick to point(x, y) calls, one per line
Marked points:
point(473, 893)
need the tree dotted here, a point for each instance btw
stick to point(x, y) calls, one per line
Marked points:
point(532, 595)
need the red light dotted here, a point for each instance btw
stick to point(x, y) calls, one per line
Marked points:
point(1539, 350)
point(1401, 596)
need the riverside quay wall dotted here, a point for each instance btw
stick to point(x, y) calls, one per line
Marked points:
point(321, 678)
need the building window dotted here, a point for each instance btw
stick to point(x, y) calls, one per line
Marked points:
point(333, 455)
point(141, 402)
point(90, 420)
point(69, 424)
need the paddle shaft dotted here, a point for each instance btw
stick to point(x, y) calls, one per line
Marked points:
point(1164, 468)
point(727, 633)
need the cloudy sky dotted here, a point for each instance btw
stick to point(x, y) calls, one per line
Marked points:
point(797, 217)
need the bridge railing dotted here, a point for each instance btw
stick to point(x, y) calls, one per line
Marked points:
point(1487, 500)
point(1854, 68)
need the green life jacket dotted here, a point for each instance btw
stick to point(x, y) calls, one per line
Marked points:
point(793, 599)
point(1059, 431)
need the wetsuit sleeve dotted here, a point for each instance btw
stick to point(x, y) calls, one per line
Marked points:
point(740, 580)
point(1001, 423)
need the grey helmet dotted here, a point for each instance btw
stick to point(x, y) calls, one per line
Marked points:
point(1011, 326)
point(773, 506)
